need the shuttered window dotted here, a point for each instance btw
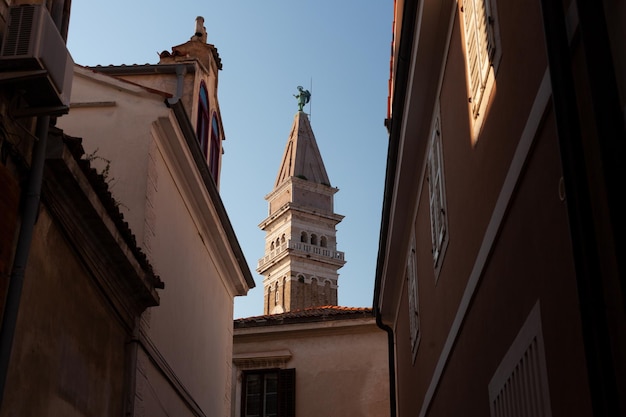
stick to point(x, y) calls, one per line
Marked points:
point(438, 220)
point(269, 393)
point(414, 318)
point(480, 48)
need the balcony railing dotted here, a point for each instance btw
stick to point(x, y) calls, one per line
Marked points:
point(301, 247)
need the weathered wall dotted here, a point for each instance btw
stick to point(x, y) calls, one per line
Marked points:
point(340, 370)
point(68, 354)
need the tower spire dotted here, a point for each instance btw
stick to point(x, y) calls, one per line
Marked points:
point(301, 257)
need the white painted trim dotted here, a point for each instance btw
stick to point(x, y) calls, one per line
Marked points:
point(519, 159)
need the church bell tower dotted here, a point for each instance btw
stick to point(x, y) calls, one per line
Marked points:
point(301, 257)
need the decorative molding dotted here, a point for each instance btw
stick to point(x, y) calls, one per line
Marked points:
point(262, 360)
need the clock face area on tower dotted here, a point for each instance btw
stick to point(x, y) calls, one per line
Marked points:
point(301, 258)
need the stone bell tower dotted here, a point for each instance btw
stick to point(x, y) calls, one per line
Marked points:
point(301, 257)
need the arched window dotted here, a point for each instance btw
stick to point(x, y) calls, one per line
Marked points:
point(202, 125)
point(304, 237)
point(214, 151)
point(313, 239)
point(282, 239)
point(323, 241)
point(272, 246)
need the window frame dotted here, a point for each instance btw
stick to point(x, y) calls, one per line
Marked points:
point(285, 391)
point(203, 119)
point(413, 295)
point(214, 147)
point(437, 195)
point(482, 51)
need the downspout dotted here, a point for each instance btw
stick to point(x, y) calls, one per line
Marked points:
point(132, 346)
point(181, 70)
point(30, 210)
point(392, 362)
point(29, 218)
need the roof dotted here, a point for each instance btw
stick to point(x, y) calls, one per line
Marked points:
point(311, 314)
point(101, 188)
point(302, 157)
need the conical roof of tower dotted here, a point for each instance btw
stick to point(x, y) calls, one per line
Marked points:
point(302, 157)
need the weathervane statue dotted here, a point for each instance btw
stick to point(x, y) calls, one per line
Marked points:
point(303, 97)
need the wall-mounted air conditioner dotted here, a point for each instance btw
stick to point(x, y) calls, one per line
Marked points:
point(34, 59)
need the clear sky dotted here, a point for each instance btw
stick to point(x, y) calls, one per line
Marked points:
point(337, 49)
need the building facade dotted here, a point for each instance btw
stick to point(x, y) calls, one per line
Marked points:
point(500, 272)
point(73, 282)
point(329, 361)
point(155, 131)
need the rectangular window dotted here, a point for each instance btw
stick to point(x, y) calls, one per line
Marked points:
point(269, 393)
point(414, 318)
point(480, 48)
point(436, 190)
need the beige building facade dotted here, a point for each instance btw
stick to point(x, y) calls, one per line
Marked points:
point(155, 131)
point(334, 360)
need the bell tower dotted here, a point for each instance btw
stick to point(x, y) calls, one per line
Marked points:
point(301, 257)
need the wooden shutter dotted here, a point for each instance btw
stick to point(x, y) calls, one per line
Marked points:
point(411, 270)
point(435, 186)
point(287, 392)
point(480, 47)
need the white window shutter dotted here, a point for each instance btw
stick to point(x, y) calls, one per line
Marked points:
point(480, 47)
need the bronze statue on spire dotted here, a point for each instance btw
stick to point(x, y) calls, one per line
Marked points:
point(303, 96)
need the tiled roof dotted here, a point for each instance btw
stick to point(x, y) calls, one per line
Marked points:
point(101, 188)
point(311, 314)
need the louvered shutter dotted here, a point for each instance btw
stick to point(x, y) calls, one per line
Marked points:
point(287, 392)
point(480, 47)
point(435, 185)
point(411, 270)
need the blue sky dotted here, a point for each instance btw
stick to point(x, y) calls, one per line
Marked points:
point(338, 49)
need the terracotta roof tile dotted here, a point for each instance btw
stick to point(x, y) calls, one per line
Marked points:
point(311, 314)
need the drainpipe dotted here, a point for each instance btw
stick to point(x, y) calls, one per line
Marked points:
point(181, 70)
point(30, 210)
point(392, 362)
point(29, 217)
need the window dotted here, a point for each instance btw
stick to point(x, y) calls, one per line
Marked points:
point(214, 155)
point(482, 53)
point(436, 190)
point(269, 393)
point(323, 242)
point(414, 319)
point(304, 238)
point(313, 239)
point(202, 125)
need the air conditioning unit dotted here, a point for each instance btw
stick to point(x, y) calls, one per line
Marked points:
point(34, 59)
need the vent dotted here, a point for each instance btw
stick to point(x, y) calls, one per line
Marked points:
point(34, 58)
point(519, 386)
point(20, 29)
